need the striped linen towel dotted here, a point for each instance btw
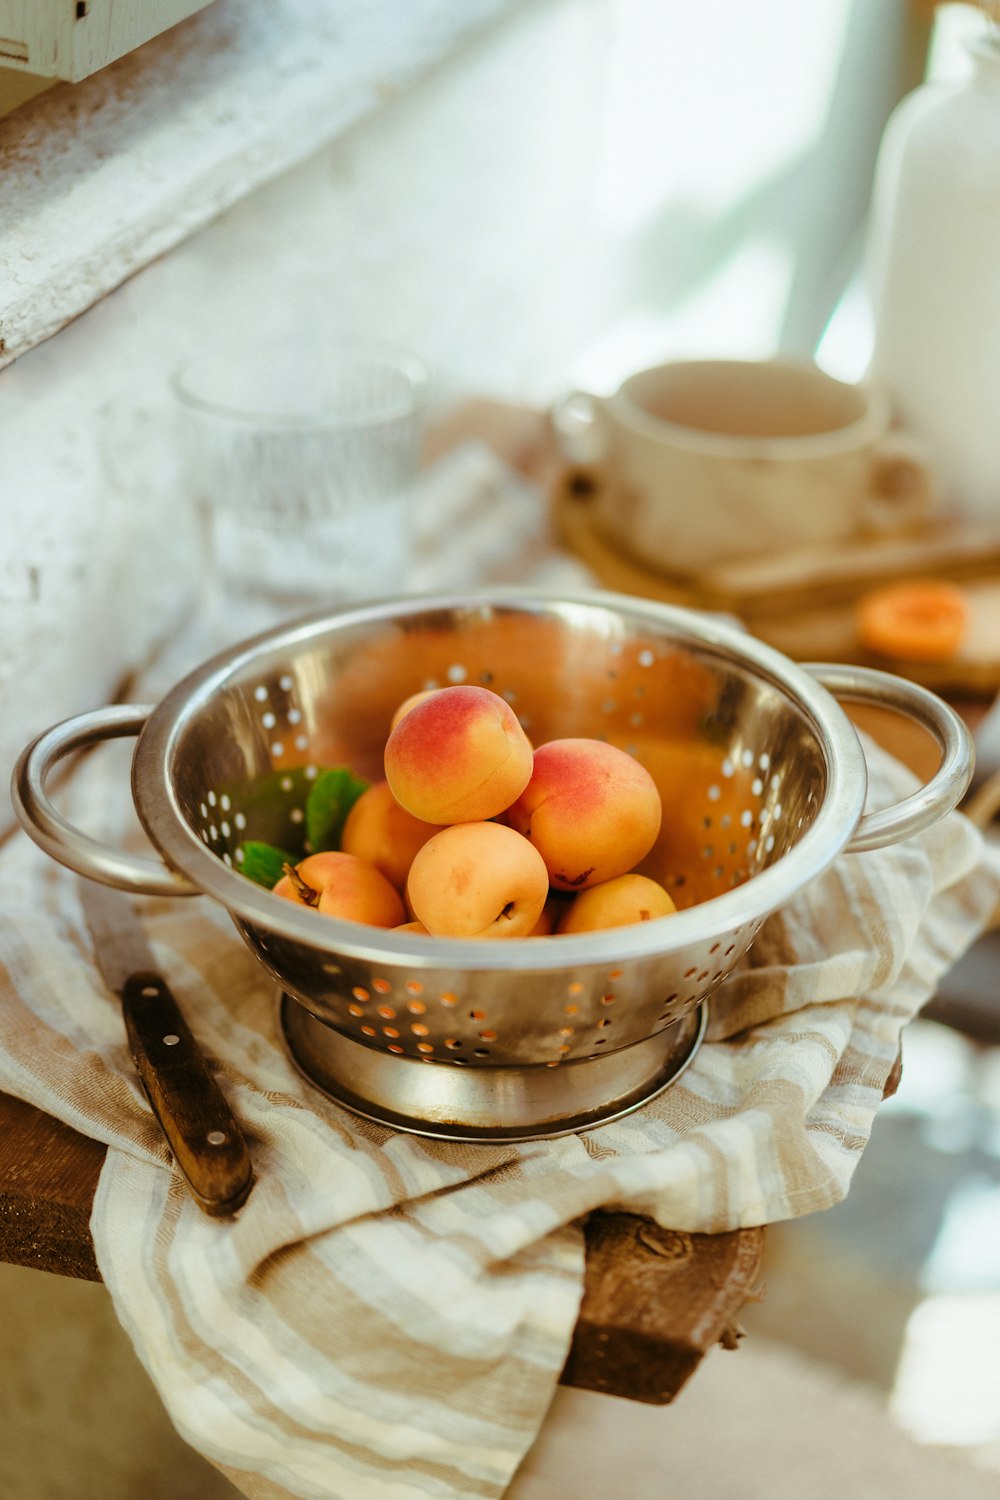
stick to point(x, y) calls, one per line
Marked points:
point(388, 1316)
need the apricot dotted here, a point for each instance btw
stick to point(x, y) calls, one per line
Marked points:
point(383, 833)
point(460, 756)
point(342, 885)
point(478, 880)
point(411, 702)
point(591, 810)
point(919, 619)
point(413, 927)
point(620, 902)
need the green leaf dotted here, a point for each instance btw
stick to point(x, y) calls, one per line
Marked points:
point(330, 799)
point(273, 806)
point(264, 863)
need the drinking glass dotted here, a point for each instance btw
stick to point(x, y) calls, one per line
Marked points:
point(303, 466)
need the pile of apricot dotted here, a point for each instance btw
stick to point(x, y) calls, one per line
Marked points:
point(473, 833)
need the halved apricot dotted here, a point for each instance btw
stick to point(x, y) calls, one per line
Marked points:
point(919, 619)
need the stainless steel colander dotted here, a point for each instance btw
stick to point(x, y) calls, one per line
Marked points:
point(762, 777)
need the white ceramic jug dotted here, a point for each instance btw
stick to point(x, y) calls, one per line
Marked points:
point(934, 276)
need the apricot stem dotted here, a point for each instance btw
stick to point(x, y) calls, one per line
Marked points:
point(302, 888)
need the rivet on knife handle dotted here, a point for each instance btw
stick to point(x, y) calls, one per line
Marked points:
point(207, 1143)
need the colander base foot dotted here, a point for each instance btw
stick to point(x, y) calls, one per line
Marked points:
point(486, 1103)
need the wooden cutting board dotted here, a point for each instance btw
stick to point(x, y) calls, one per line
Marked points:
point(804, 602)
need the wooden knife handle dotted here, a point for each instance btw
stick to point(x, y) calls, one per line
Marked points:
point(207, 1143)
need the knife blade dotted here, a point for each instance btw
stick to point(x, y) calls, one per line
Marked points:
point(207, 1143)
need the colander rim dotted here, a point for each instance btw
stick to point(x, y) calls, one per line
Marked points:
point(159, 810)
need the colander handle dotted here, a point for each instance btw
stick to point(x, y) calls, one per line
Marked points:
point(60, 838)
point(950, 781)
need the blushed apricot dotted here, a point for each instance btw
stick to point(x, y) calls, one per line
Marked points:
point(591, 810)
point(341, 885)
point(460, 756)
point(411, 702)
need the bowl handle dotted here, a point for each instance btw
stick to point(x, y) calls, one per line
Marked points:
point(60, 838)
point(950, 781)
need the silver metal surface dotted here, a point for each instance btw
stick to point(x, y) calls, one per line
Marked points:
point(60, 838)
point(953, 776)
point(761, 774)
point(511, 1104)
point(120, 944)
